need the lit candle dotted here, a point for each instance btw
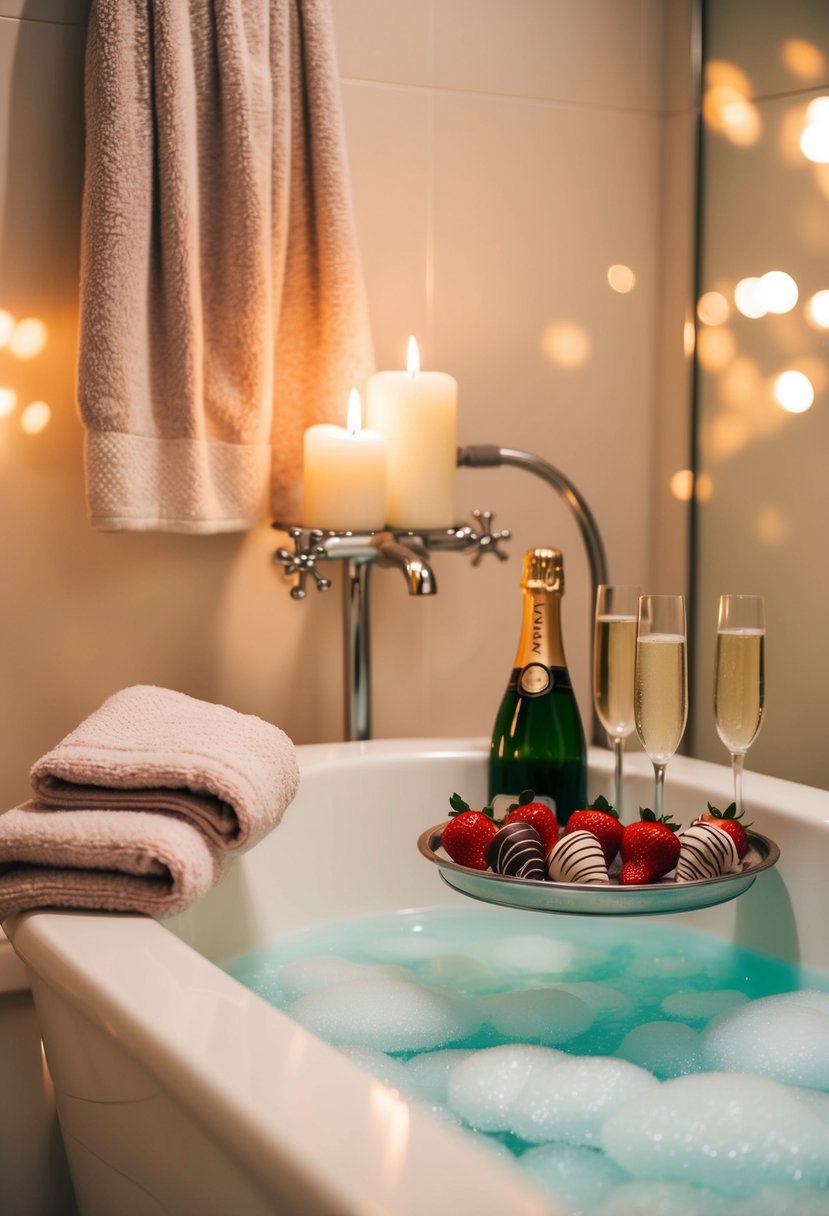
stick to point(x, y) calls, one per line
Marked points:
point(344, 476)
point(417, 412)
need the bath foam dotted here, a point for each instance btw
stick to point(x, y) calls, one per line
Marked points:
point(548, 1016)
point(733, 1132)
point(623, 972)
point(783, 1036)
point(578, 1178)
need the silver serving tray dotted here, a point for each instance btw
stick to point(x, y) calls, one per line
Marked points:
point(647, 899)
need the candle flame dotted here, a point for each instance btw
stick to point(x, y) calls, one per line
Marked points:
point(354, 421)
point(413, 357)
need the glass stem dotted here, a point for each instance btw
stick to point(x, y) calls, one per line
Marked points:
point(737, 759)
point(618, 747)
point(659, 771)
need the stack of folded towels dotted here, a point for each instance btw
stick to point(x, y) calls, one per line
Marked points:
point(140, 808)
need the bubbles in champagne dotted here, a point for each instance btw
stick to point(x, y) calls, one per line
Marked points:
point(661, 693)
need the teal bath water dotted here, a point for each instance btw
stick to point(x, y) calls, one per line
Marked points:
point(626, 1065)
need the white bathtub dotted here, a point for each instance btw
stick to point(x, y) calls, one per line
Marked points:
point(180, 1092)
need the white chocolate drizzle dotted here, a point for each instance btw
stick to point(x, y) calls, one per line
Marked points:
point(705, 851)
point(577, 857)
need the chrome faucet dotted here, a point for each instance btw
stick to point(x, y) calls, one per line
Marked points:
point(408, 550)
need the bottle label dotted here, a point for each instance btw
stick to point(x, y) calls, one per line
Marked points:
point(535, 680)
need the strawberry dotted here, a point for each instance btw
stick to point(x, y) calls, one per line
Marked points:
point(468, 833)
point(728, 820)
point(538, 815)
point(649, 848)
point(602, 820)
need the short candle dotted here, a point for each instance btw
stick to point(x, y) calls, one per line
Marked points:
point(417, 413)
point(344, 476)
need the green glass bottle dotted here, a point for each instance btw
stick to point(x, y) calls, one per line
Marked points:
point(538, 738)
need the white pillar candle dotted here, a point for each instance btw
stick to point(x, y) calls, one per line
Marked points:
point(344, 476)
point(417, 412)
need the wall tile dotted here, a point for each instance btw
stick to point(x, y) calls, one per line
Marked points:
point(384, 40)
point(591, 53)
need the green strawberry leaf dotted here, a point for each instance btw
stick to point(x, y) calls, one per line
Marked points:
point(648, 816)
point(458, 805)
point(602, 804)
point(525, 798)
point(730, 812)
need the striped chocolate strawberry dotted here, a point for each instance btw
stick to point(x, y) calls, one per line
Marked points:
point(728, 820)
point(466, 836)
point(538, 815)
point(649, 848)
point(602, 820)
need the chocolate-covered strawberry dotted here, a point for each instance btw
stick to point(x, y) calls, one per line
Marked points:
point(729, 821)
point(516, 850)
point(602, 820)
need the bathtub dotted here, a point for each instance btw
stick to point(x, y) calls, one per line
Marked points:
point(181, 1092)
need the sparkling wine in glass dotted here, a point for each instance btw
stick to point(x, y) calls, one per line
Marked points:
point(660, 695)
point(614, 654)
point(739, 677)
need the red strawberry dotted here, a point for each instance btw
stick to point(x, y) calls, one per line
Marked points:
point(468, 833)
point(538, 815)
point(649, 848)
point(602, 820)
point(728, 820)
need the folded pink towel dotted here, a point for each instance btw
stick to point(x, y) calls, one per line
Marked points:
point(148, 863)
point(230, 774)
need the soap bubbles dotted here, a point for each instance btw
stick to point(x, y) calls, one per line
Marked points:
point(538, 1015)
point(785, 1037)
point(737, 1133)
point(667, 1049)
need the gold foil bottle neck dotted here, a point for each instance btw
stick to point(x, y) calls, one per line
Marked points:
point(543, 570)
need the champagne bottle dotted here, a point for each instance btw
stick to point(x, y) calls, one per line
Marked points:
point(538, 738)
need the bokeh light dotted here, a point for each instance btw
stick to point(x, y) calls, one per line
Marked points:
point(621, 278)
point(747, 298)
point(803, 59)
point(35, 417)
point(6, 327)
point(770, 525)
point(28, 338)
point(716, 348)
point(794, 391)
point(817, 310)
point(566, 343)
point(713, 308)
point(8, 400)
point(777, 291)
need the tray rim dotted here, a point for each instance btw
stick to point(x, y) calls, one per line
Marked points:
point(509, 891)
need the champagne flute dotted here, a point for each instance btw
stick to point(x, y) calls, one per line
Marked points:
point(660, 694)
point(739, 692)
point(614, 653)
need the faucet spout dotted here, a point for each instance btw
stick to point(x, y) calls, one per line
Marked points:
point(417, 572)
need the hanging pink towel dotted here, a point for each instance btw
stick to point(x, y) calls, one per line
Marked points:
point(222, 303)
point(142, 862)
point(230, 775)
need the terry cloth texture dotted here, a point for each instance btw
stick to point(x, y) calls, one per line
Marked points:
point(222, 302)
point(146, 748)
point(143, 805)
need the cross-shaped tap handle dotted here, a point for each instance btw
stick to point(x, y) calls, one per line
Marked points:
point(302, 561)
point(486, 541)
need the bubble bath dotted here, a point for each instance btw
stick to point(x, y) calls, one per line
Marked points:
point(627, 1066)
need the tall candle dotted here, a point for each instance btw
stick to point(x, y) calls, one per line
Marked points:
point(417, 413)
point(344, 475)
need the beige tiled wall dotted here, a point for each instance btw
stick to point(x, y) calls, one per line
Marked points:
point(504, 154)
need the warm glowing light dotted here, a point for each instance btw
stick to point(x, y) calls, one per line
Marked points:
point(566, 343)
point(794, 392)
point(719, 72)
point(713, 308)
point(747, 298)
point(817, 310)
point(8, 400)
point(814, 143)
point(803, 59)
point(35, 417)
point(741, 384)
point(704, 487)
point(354, 420)
point(771, 526)
point(727, 110)
point(6, 327)
point(621, 278)
point(412, 357)
point(817, 110)
point(689, 338)
point(682, 485)
point(716, 348)
point(777, 291)
point(28, 338)
point(728, 435)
